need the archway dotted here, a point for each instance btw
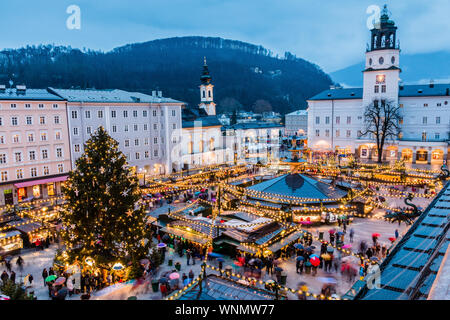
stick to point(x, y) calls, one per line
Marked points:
point(437, 156)
point(421, 156)
point(407, 155)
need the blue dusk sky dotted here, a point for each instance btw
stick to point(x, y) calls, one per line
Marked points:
point(330, 33)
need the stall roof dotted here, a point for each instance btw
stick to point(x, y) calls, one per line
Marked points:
point(9, 234)
point(185, 234)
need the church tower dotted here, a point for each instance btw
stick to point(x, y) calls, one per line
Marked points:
point(382, 71)
point(206, 92)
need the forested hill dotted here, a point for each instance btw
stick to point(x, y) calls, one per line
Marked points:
point(245, 76)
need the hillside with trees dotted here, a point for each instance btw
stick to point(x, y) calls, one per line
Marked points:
point(242, 73)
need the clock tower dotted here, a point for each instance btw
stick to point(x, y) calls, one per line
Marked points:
point(382, 71)
point(206, 92)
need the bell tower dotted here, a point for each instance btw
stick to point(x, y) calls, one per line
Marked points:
point(382, 71)
point(206, 91)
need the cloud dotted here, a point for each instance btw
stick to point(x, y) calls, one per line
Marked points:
point(332, 34)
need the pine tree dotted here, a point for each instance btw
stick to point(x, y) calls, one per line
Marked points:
point(102, 218)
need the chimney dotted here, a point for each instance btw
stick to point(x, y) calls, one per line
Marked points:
point(159, 94)
point(431, 83)
point(2, 88)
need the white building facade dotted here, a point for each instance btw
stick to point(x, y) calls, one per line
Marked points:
point(296, 123)
point(147, 127)
point(336, 116)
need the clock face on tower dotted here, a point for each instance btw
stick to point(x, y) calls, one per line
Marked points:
point(381, 78)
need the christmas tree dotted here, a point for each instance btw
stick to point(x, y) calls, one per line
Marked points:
point(103, 219)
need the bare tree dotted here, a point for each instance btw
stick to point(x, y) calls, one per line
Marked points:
point(381, 120)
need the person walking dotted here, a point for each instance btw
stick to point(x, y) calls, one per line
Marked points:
point(4, 277)
point(191, 276)
point(19, 263)
point(352, 233)
point(51, 272)
point(188, 255)
point(8, 266)
point(12, 277)
point(396, 234)
point(44, 274)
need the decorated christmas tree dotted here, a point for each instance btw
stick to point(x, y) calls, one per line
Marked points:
point(103, 219)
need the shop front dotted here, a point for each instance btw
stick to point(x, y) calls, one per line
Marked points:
point(39, 189)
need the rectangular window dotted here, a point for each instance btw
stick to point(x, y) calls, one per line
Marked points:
point(349, 133)
point(114, 128)
point(87, 114)
point(327, 133)
point(32, 155)
point(438, 120)
point(155, 153)
point(55, 106)
point(376, 89)
point(327, 120)
point(425, 104)
point(437, 136)
point(13, 106)
point(16, 138)
point(59, 152)
point(125, 113)
point(18, 156)
point(424, 120)
point(338, 120)
point(1, 121)
point(74, 114)
point(75, 131)
point(14, 121)
point(56, 119)
point(4, 176)
point(155, 126)
point(438, 104)
point(43, 136)
point(60, 168)
point(317, 133)
point(113, 113)
point(144, 113)
point(146, 141)
point(145, 127)
point(155, 140)
point(44, 154)
point(88, 130)
point(338, 133)
point(127, 143)
point(317, 120)
point(126, 128)
point(46, 171)
point(135, 113)
point(42, 120)
point(174, 113)
point(41, 106)
point(33, 172)
point(137, 155)
point(146, 154)
point(135, 127)
point(19, 173)
point(349, 120)
point(27, 106)
point(77, 148)
point(57, 135)
point(2, 158)
point(2, 139)
point(136, 142)
point(154, 113)
point(383, 88)
point(174, 126)
point(29, 120)
point(100, 114)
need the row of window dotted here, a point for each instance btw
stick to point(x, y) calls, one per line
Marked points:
point(338, 119)
point(29, 106)
point(32, 156)
point(87, 113)
point(126, 128)
point(348, 134)
point(43, 136)
point(29, 120)
point(33, 172)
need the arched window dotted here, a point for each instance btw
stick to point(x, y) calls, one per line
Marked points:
point(203, 94)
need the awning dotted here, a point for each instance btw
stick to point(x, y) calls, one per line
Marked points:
point(41, 181)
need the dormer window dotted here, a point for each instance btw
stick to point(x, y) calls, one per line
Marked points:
point(370, 61)
point(393, 59)
point(381, 60)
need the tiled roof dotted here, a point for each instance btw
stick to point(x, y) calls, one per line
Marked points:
point(29, 94)
point(252, 125)
point(422, 90)
point(108, 95)
point(404, 271)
